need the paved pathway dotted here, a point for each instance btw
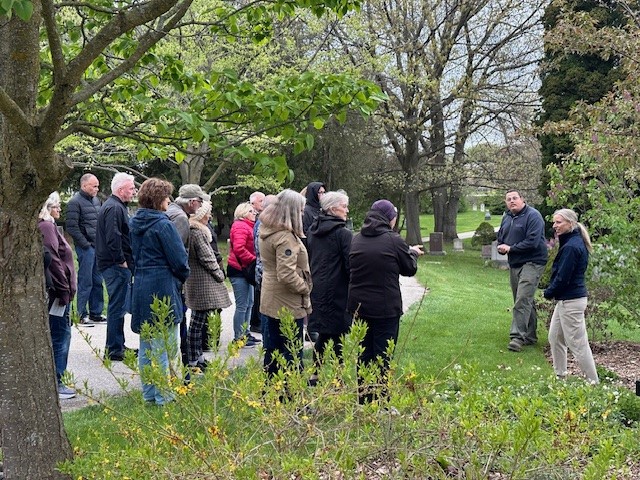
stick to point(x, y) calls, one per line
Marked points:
point(86, 366)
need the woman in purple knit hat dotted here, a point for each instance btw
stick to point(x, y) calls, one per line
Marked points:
point(377, 258)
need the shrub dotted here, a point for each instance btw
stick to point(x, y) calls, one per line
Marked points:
point(484, 234)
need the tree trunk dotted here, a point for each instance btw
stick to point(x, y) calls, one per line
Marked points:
point(412, 206)
point(32, 437)
point(445, 211)
point(192, 166)
point(32, 433)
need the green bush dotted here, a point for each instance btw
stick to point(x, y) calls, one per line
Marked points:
point(484, 234)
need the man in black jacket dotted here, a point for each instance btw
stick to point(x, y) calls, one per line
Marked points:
point(82, 217)
point(377, 258)
point(521, 238)
point(115, 259)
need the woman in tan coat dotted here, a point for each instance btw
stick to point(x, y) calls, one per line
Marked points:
point(204, 291)
point(286, 278)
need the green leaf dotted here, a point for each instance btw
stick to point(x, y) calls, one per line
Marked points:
point(318, 123)
point(6, 5)
point(24, 9)
point(180, 156)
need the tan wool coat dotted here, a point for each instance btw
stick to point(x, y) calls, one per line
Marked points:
point(204, 289)
point(286, 277)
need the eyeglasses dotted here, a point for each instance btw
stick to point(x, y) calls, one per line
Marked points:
point(199, 200)
point(321, 192)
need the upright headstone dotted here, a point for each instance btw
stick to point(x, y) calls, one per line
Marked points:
point(435, 244)
point(457, 245)
point(498, 258)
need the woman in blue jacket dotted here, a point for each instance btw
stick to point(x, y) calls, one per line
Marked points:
point(161, 267)
point(567, 287)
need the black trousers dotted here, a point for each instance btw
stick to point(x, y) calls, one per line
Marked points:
point(376, 343)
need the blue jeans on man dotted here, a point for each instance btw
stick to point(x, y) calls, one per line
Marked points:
point(89, 284)
point(118, 282)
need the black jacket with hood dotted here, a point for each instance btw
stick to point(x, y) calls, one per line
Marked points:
point(378, 256)
point(312, 207)
point(328, 246)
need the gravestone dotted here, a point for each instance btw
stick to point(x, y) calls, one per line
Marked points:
point(498, 258)
point(457, 245)
point(435, 244)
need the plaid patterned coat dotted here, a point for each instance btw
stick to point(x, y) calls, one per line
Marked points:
point(204, 289)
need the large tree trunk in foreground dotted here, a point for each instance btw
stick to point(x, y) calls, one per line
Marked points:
point(32, 434)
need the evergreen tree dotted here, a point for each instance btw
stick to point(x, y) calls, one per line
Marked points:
point(568, 78)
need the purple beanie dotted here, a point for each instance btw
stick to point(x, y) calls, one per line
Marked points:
point(386, 208)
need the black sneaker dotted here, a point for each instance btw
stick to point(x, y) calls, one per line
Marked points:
point(251, 338)
point(86, 322)
point(98, 318)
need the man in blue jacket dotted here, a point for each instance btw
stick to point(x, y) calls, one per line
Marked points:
point(521, 238)
point(115, 259)
point(82, 217)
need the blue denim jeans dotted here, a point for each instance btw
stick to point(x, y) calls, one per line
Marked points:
point(163, 352)
point(118, 281)
point(89, 283)
point(243, 293)
point(273, 340)
point(60, 328)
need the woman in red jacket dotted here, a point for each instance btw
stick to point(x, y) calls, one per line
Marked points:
point(242, 256)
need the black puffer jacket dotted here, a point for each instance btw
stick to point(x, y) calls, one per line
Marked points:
point(82, 217)
point(328, 245)
point(378, 256)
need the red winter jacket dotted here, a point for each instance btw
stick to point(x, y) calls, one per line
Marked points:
point(241, 248)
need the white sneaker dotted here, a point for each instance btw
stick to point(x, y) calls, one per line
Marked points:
point(65, 393)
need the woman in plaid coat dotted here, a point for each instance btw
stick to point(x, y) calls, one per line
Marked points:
point(205, 291)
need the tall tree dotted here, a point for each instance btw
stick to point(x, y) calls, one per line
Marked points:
point(454, 72)
point(79, 86)
point(568, 78)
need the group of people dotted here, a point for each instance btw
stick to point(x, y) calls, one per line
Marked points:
point(289, 253)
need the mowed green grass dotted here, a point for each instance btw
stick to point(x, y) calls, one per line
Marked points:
point(465, 319)
point(466, 222)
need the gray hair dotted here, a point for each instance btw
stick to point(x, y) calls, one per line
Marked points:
point(285, 213)
point(572, 217)
point(331, 200)
point(45, 211)
point(86, 177)
point(119, 179)
point(254, 196)
point(182, 201)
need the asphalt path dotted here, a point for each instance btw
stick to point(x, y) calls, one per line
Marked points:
point(87, 346)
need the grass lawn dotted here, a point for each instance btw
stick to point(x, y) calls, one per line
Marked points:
point(465, 318)
point(467, 409)
point(466, 222)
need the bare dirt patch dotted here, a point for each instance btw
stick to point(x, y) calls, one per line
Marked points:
point(619, 357)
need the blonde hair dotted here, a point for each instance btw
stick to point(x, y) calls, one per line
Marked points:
point(285, 212)
point(45, 211)
point(242, 210)
point(572, 217)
